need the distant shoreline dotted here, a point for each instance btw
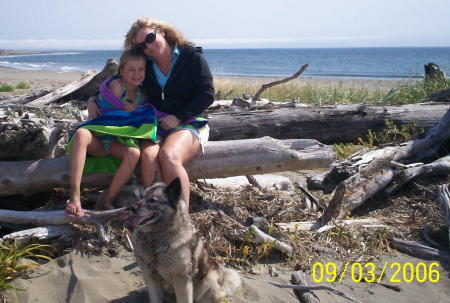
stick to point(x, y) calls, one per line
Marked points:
point(6, 52)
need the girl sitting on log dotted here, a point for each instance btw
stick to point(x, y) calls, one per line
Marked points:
point(114, 138)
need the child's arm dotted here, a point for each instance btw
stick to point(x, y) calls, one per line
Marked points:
point(116, 88)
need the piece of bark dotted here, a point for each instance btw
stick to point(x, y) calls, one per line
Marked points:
point(305, 296)
point(23, 99)
point(444, 199)
point(222, 159)
point(271, 84)
point(332, 124)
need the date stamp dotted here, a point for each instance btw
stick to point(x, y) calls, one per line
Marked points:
point(369, 272)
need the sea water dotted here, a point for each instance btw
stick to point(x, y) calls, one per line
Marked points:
point(370, 63)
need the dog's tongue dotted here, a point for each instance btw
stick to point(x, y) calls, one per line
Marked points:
point(137, 221)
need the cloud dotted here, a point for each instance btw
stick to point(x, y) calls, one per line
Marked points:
point(56, 44)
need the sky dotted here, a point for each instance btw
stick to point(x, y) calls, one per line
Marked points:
point(101, 25)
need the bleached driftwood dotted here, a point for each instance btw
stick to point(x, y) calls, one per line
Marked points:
point(314, 226)
point(439, 167)
point(222, 159)
point(41, 233)
point(59, 217)
point(305, 296)
point(327, 124)
point(444, 199)
point(418, 250)
point(79, 89)
point(254, 235)
point(354, 191)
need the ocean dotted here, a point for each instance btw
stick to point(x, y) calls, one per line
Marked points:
point(391, 63)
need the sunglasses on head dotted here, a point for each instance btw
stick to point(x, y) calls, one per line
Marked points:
point(150, 38)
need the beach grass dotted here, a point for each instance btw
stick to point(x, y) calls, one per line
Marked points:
point(23, 85)
point(337, 92)
point(6, 88)
point(12, 257)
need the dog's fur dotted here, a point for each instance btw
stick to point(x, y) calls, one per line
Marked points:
point(170, 253)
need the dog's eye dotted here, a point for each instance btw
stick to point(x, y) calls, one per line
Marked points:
point(151, 200)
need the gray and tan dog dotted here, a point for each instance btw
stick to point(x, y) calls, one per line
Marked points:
point(171, 254)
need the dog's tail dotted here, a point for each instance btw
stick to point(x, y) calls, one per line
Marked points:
point(217, 285)
point(231, 281)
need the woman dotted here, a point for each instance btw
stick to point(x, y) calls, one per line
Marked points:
point(179, 84)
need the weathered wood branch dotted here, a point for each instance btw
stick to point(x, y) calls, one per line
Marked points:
point(444, 199)
point(305, 288)
point(271, 84)
point(305, 296)
point(354, 191)
point(222, 159)
point(418, 250)
point(440, 167)
point(314, 226)
point(427, 147)
point(43, 233)
point(254, 235)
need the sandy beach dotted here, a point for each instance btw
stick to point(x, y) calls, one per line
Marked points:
point(82, 278)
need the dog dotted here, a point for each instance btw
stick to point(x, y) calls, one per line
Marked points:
point(170, 253)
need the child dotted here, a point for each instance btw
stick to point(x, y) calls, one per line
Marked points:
point(118, 132)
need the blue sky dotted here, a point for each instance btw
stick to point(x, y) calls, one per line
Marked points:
point(100, 24)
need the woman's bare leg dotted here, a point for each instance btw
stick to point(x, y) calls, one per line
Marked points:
point(149, 162)
point(84, 142)
point(177, 149)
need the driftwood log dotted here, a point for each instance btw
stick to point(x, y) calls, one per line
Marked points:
point(343, 123)
point(369, 172)
point(333, 124)
point(222, 159)
point(305, 296)
point(80, 89)
point(444, 198)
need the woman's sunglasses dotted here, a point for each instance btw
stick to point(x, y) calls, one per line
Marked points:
point(150, 38)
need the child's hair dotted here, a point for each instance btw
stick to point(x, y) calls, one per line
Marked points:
point(130, 54)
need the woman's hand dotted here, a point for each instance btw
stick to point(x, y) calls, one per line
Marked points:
point(169, 122)
point(130, 107)
point(93, 109)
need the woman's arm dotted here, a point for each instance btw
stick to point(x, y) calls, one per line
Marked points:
point(203, 84)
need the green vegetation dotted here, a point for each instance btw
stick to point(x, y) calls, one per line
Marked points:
point(411, 91)
point(391, 134)
point(12, 263)
point(6, 88)
point(23, 85)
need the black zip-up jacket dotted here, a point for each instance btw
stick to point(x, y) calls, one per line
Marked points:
point(188, 91)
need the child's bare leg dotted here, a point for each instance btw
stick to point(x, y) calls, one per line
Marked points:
point(149, 162)
point(84, 142)
point(130, 157)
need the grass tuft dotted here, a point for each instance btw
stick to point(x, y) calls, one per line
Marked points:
point(23, 85)
point(12, 264)
point(6, 88)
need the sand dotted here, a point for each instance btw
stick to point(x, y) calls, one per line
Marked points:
point(78, 278)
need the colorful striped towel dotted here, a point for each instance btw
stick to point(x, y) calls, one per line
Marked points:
point(125, 127)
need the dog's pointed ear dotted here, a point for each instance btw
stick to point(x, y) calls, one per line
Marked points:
point(174, 190)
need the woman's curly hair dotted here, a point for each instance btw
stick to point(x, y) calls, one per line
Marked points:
point(172, 35)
